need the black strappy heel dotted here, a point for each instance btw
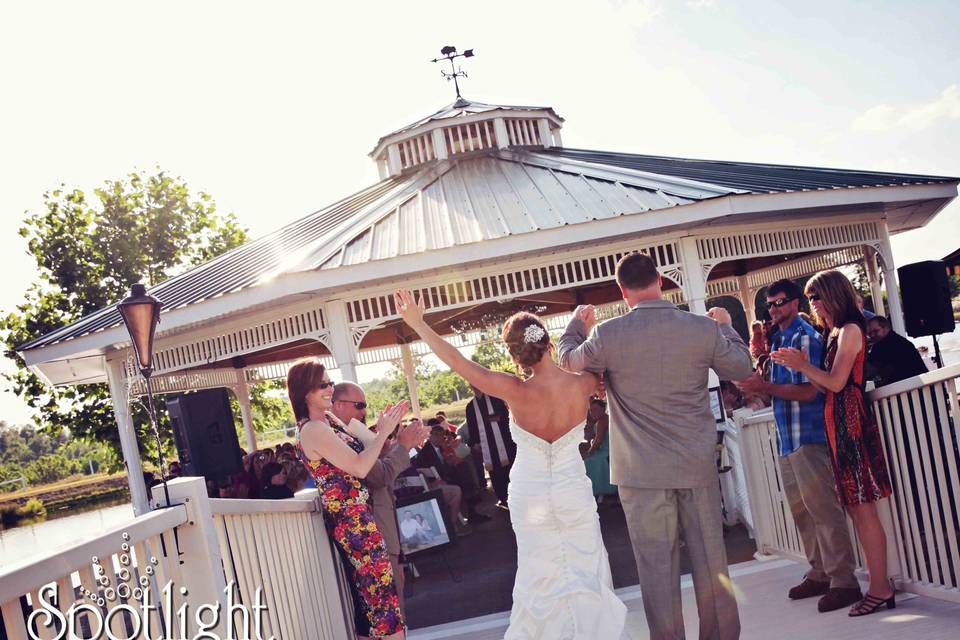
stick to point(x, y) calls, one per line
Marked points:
point(871, 604)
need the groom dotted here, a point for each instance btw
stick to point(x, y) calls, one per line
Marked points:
point(656, 360)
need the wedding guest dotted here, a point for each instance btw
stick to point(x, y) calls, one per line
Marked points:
point(597, 461)
point(859, 467)
point(430, 455)
point(892, 357)
point(275, 482)
point(350, 406)
point(758, 344)
point(805, 463)
point(173, 470)
point(339, 461)
point(488, 429)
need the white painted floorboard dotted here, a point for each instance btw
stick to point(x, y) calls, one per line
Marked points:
point(765, 613)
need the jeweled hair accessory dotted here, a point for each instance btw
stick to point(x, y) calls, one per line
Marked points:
point(533, 333)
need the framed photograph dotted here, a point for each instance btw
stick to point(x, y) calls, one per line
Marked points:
point(716, 405)
point(423, 523)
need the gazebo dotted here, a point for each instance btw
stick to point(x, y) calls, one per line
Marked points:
point(483, 211)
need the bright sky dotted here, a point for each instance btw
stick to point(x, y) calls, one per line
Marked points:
point(272, 108)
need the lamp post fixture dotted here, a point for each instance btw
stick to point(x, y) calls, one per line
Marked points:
point(141, 314)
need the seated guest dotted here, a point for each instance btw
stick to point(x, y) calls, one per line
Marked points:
point(891, 357)
point(431, 455)
point(275, 482)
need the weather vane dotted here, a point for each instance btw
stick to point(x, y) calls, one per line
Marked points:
point(450, 53)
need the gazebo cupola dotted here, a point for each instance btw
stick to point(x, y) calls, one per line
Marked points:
point(464, 128)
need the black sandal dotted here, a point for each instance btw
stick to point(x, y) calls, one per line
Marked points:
point(871, 604)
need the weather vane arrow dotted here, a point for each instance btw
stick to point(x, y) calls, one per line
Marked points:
point(449, 53)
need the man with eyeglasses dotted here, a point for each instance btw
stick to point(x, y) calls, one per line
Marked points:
point(349, 404)
point(805, 463)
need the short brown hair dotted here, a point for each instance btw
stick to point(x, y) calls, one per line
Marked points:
point(839, 299)
point(303, 377)
point(636, 271)
point(525, 353)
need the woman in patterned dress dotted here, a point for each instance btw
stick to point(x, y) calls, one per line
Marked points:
point(859, 466)
point(339, 461)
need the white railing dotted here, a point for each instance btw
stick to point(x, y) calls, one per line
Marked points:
point(918, 421)
point(268, 562)
point(282, 547)
point(121, 556)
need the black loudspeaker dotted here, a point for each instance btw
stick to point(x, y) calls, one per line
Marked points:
point(926, 298)
point(205, 434)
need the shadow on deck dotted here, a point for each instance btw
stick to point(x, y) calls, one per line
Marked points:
point(765, 612)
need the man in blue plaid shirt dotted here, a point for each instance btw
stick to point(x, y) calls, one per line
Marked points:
point(805, 464)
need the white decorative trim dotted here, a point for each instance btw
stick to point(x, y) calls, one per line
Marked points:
point(804, 266)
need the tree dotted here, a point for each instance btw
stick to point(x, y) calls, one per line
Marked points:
point(89, 249)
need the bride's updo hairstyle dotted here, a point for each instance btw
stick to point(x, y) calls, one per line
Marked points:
point(526, 338)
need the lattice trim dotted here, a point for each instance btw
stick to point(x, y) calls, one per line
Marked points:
point(804, 266)
point(306, 324)
point(188, 381)
point(551, 276)
point(722, 247)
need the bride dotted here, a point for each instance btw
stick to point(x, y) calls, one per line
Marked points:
point(563, 589)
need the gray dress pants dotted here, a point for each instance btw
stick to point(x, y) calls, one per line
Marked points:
point(655, 519)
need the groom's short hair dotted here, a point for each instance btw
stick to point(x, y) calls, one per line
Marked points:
point(636, 271)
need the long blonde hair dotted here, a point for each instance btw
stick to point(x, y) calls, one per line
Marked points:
point(838, 297)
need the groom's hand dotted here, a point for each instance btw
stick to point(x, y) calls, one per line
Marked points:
point(586, 313)
point(720, 314)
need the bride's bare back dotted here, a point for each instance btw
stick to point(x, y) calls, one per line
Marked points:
point(552, 402)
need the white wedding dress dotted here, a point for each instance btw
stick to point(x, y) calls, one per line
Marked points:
point(563, 590)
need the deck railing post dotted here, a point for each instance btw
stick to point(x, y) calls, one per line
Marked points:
point(201, 566)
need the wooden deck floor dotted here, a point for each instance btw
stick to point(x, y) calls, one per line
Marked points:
point(765, 612)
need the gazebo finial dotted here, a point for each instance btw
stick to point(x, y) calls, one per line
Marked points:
point(450, 53)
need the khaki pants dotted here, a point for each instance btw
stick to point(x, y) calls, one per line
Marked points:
point(655, 518)
point(809, 486)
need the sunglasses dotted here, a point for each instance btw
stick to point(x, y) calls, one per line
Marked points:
point(813, 297)
point(325, 384)
point(359, 406)
point(779, 303)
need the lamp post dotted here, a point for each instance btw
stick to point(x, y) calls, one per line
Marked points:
point(141, 314)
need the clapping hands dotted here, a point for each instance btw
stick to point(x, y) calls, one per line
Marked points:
point(790, 358)
point(391, 415)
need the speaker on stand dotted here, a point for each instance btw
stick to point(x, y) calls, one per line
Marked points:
point(205, 434)
point(925, 291)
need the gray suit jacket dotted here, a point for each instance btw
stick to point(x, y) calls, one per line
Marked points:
point(656, 359)
point(380, 480)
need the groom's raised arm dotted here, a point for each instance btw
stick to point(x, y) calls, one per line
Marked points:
point(578, 352)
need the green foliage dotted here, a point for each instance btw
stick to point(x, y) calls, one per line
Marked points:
point(493, 354)
point(89, 249)
point(51, 468)
point(32, 508)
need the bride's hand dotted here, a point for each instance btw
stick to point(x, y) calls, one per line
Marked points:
point(410, 310)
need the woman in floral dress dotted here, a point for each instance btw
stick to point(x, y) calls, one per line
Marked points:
point(859, 466)
point(339, 461)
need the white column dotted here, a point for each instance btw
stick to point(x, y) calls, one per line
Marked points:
point(243, 399)
point(344, 352)
point(393, 160)
point(202, 564)
point(557, 142)
point(500, 131)
point(545, 138)
point(440, 145)
point(889, 270)
point(410, 371)
point(128, 436)
point(694, 283)
point(748, 299)
point(870, 262)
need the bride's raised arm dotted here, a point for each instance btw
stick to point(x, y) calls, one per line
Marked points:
point(495, 383)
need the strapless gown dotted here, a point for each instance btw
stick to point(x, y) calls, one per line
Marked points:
point(563, 590)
